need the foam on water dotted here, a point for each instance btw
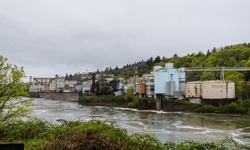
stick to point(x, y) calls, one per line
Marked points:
point(171, 126)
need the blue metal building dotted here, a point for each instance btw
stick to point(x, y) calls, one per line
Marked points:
point(169, 81)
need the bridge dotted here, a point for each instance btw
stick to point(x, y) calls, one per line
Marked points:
point(222, 69)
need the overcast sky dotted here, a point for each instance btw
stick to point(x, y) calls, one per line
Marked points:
point(51, 37)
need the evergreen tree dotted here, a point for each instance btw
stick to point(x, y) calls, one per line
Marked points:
point(157, 60)
point(67, 76)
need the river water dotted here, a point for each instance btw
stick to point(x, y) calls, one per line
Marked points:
point(165, 126)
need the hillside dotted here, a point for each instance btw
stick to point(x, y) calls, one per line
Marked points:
point(228, 56)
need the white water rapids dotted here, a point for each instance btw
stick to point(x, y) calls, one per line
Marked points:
point(165, 126)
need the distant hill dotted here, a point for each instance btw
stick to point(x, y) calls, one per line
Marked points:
point(228, 56)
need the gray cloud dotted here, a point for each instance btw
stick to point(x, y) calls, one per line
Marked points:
point(51, 37)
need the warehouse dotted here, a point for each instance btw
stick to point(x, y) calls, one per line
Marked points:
point(215, 92)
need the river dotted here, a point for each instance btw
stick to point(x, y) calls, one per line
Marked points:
point(177, 126)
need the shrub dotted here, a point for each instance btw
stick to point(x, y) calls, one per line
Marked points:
point(151, 103)
point(145, 141)
point(32, 129)
point(103, 100)
point(88, 135)
point(208, 109)
point(185, 105)
point(134, 103)
point(95, 134)
point(232, 107)
point(235, 108)
point(245, 104)
point(129, 94)
point(85, 99)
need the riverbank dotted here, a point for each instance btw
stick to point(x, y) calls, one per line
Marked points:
point(114, 101)
point(238, 107)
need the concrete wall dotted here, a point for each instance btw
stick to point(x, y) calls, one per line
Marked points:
point(61, 96)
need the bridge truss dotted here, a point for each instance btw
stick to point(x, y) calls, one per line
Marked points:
point(222, 69)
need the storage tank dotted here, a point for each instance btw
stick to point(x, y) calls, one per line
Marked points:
point(141, 88)
point(170, 88)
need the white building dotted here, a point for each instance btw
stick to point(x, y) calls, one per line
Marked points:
point(169, 80)
point(86, 86)
point(210, 91)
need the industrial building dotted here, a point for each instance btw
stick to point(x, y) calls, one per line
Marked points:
point(168, 82)
point(57, 84)
point(215, 92)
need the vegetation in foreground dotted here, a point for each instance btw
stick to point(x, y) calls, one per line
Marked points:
point(77, 135)
point(12, 105)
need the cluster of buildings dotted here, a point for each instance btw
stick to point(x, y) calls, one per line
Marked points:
point(57, 84)
point(170, 82)
point(162, 82)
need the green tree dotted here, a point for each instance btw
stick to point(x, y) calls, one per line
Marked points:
point(162, 64)
point(207, 76)
point(12, 104)
point(129, 94)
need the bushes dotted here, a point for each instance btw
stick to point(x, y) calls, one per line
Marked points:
point(86, 135)
point(104, 100)
point(85, 100)
point(151, 103)
point(239, 107)
point(96, 134)
point(32, 129)
point(246, 105)
point(184, 105)
point(134, 103)
point(208, 109)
